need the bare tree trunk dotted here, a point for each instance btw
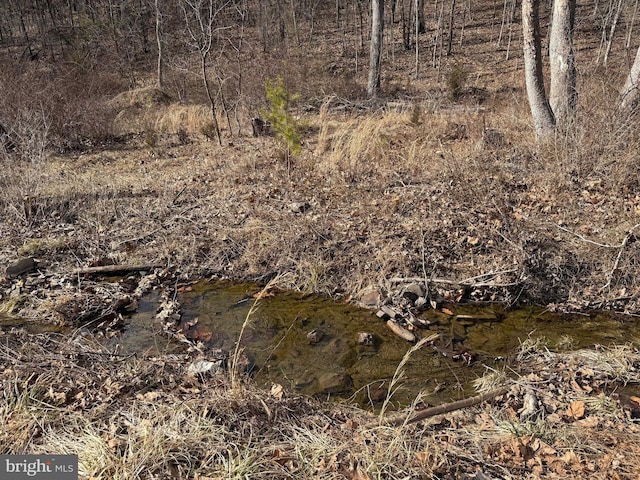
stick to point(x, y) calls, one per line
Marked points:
point(408, 26)
point(437, 41)
point(418, 35)
point(24, 30)
point(296, 35)
point(631, 23)
point(504, 17)
point(541, 112)
point(264, 28)
point(451, 18)
point(465, 8)
point(212, 103)
point(512, 18)
point(199, 22)
point(562, 89)
point(377, 29)
point(160, 69)
point(630, 95)
point(422, 28)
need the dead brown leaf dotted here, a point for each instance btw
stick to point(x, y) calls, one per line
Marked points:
point(277, 391)
point(570, 458)
point(263, 294)
point(59, 398)
point(149, 396)
point(588, 422)
point(575, 410)
point(542, 448)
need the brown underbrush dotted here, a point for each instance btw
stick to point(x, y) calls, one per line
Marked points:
point(409, 190)
point(439, 181)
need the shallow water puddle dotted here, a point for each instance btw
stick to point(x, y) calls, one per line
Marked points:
point(310, 343)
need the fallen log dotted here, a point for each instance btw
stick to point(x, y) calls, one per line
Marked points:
point(402, 419)
point(116, 268)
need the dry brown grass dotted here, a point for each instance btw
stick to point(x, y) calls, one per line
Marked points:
point(416, 186)
point(144, 417)
point(397, 192)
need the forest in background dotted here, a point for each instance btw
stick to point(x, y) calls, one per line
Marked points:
point(63, 58)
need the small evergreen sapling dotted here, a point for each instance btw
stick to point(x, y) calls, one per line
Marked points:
point(279, 117)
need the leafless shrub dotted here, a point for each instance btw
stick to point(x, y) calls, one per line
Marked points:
point(62, 110)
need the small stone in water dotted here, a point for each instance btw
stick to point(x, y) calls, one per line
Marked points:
point(314, 336)
point(371, 298)
point(335, 383)
point(421, 303)
point(365, 338)
point(387, 312)
point(413, 291)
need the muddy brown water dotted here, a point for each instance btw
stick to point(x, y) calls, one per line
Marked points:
point(276, 338)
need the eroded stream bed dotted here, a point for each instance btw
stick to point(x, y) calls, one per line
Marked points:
point(309, 344)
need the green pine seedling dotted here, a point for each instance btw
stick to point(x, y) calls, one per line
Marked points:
point(279, 117)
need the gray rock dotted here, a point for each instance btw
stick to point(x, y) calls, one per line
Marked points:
point(335, 383)
point(24, 265)
point(421, 303)
point(387, 312)
point(413, 291)
point(204, 366)
point(299, 207)
point(315, 336)
point(371, 298)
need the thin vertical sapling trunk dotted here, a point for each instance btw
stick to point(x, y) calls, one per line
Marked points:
point(160, 66)
point(199, 20)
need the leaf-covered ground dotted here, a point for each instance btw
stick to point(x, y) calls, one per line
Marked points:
point(564, 415)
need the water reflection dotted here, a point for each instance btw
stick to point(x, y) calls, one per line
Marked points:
point(310, 344)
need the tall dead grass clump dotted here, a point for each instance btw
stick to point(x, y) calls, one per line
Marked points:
point(189, 118)
point(324, 141)
point(362, 147)
point(400, 373)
